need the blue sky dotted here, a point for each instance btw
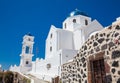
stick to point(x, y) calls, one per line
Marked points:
point(18, 17)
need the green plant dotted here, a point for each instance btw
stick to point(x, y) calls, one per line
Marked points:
point(8, 77)
point(1, 77)
point(25, 80)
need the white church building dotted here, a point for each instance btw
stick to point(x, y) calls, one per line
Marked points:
point(62, 44)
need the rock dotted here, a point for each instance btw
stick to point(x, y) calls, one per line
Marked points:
point(95, 44)
point(113, 70)
point(115, 64)
point(83, 59)
point(109, 79)
point(115, 54)
point(118, 81)
point(111, 44)
point(103, 47)
point(118, 27)
point(101, 40)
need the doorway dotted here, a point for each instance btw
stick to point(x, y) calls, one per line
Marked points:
point(98, 73)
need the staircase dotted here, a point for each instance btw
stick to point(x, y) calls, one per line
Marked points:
point(36, 80)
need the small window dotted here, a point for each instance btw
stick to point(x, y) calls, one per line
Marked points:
point(50, 48)
point(74, 20)
point(51, 35)
point(86, 22)
point(27, 62)
point(29, 39)
point(27, 49)
point(65, 26)
point(48, 66)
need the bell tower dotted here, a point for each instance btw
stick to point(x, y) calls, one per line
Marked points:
point(27, 53)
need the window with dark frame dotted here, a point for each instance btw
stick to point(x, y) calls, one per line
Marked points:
point(65, 26)
point(74, 20)
point(48, 66)
point(27, 62)
point(86, 22)
point(27, 49)
point(29, 39)
point(51, 35)
point(50, 48)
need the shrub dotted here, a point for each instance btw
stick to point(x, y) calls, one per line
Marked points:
point(8, 77)
point(1, 77)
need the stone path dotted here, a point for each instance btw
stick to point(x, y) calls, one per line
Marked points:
point(36, 80)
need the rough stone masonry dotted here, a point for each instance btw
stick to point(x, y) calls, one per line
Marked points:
point(98, 60)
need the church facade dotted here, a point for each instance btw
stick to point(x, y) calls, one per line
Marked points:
point(62, 44)
point(68, 49)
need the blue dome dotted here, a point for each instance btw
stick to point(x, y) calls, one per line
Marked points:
point(77, 12)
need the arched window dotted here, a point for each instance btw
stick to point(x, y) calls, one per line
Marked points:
point(65, 26)
point(86, 22)
point(27, 62)
point(51, 35)
point(74, 20)
point(27, 49)
point(48, 66)
point(50, 48)
point(29, 39)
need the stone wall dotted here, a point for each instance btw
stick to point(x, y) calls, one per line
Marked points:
point(105, 44)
